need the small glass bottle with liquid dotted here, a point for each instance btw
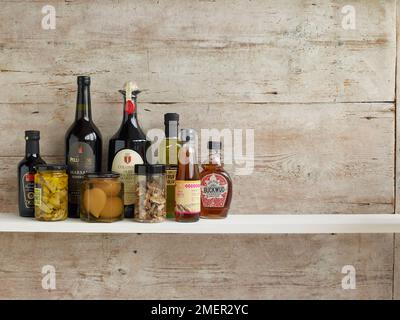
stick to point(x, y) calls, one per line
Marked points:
point(187, 183)
point(216, 185)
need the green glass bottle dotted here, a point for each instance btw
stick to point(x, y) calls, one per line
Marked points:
point(168, 155)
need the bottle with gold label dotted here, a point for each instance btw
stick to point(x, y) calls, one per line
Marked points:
point(128, 147)
point(168, 155)
point(187, 183)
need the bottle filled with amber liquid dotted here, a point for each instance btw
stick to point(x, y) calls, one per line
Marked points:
point(83, 146)
point(187, 183)
point(168, 156)
point(127, 147)
point(216, 185)
point(26, 174)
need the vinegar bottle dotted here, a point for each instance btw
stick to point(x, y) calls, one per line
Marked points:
point(187, 183)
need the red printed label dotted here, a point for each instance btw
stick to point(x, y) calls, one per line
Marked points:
point(214, 191)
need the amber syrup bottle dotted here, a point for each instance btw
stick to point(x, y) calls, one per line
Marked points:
point(216, 185)
point(187, 183)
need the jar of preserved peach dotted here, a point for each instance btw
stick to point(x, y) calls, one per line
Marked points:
point(102, 197)
point(51, 192)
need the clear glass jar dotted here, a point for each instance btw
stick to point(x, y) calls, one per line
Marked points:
point(51, 192)
point(150, 203)
point(102, 197)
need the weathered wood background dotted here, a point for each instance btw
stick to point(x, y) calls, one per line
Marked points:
point(322, 102)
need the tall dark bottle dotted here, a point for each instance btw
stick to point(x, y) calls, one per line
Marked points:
point(26, 173)
point(128, 147)
point(83, 146)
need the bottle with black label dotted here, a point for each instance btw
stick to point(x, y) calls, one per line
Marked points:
point(26, 174)
point(83, 146)
point(128, 147)
point(168, 155)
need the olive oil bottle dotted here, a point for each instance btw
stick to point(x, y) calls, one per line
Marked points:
point(168, 155)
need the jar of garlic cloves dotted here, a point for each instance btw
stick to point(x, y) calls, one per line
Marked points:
point(51, 192)
point(102, 197)
point(150, 203)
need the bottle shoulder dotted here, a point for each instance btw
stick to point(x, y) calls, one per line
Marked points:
point(213, 169)
point(83, 131)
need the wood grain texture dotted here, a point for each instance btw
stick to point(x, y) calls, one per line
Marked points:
point(316, 158)
point(200, 51)
point(196, 267)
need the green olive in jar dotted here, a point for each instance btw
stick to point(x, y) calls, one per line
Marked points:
point(51, 193)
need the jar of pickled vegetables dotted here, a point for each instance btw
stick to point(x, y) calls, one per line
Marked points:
point(102, 197)
point(150, 203)
point(51, 192)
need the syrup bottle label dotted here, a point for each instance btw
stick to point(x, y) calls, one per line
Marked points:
point(214, 191)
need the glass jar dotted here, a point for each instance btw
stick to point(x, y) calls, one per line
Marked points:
point(150, 203)
point(102, 197)
point(51, 192)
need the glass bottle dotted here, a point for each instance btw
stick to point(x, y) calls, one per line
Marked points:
point(187, 183)
point(168, 155)
point(26, 174)
point(83, 146)
point(216, 185)
point(127, 147)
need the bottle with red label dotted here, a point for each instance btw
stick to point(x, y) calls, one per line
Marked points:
point(187, 183)
point(216, 185)
point(127, 147)
point(26, 174)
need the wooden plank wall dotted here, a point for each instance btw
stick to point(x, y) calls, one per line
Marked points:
point(320, 98)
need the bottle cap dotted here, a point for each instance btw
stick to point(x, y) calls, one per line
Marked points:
point(143, 169)
point(83, 80)
point(188, 135)
point(51, 167)
point(32, 135)
point(214, 145)
point(102, 175)
point(171, 117)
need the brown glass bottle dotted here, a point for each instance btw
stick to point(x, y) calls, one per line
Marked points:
point(216, 185)
point(187, 183)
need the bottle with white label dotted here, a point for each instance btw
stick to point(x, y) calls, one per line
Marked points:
point(128, 147)
point(216, 185)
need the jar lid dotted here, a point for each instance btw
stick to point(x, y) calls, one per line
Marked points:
point(143, 169)
point(103, 175)
point(50, 167)
point(214, 145)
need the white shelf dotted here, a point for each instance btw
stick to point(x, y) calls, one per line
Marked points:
point(234, 224)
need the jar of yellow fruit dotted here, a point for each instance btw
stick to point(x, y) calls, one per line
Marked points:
point(51, 192)
point(102, 197)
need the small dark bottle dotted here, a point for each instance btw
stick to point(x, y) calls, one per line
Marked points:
point(26, 174)
point(83, 146)
point(127, 147)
